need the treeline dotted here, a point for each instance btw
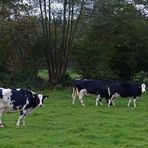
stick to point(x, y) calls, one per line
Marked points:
point(115, 42)
point(101, 39)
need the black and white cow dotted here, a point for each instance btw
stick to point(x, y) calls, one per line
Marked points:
point(88, 86)
point(21, 100)
point(126, 90)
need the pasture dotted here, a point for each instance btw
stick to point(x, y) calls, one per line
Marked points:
point(61, 124)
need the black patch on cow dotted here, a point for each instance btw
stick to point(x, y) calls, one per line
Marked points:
point(97, 87)
point(1, 95)
point(19, 98)
point(125, 89)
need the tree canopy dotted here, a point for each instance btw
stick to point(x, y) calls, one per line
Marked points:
point(108, 39)
point(118, 32)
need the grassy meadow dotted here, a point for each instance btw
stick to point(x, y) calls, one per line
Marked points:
point(61, 124)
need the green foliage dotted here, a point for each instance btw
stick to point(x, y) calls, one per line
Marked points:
point(141, 77)
point(92, 59)
point(25, 79)
point(17, 37)
point(66, 80)
point(87, 57)
point(5, 48)
point(114, 45)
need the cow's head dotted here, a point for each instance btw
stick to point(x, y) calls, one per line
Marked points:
point(40, 99)
point(143, 87)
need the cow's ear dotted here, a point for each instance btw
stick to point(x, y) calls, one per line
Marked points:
point(46, 96)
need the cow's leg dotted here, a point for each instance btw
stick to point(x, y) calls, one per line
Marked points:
point(134, 100)
point(113, 102)
point(74, 95)
point(129, 102)
point(27, 112)
point(110, 100)
point(82, 92)
point(21, 118)
point(97, 100)
point(22, 121)
point(1, 112)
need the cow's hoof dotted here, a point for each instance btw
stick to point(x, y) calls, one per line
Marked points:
point(1, 126)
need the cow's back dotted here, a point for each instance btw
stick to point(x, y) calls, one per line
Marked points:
point(96, 87)
point(20, 97)
point(125, 89)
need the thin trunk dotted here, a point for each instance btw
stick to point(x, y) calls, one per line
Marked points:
point(57, 64)
point(63, 42)
point(42, 17)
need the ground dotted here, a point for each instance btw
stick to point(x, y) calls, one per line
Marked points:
point(61, 124)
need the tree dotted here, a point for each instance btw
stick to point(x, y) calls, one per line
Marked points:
point(58, 29)
point(119, 31)
point(18, 34)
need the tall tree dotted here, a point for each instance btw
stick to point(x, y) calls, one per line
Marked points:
point(18, 32)
point(59, 24)
point(119, 31)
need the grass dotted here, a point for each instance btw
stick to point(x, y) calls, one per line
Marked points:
point(59, 124)
point(44, 74)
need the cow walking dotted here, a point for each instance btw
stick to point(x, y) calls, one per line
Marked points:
point(21, 100)
point(126, 90)
point(89, 86)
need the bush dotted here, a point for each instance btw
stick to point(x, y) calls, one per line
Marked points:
point(141, 77)
point(24, 79)
point(66, 80)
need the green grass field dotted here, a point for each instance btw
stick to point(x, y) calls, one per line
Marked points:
point(61, 124)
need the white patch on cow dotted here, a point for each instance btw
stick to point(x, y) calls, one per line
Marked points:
point(129, 102)
point(116, 95)
point(111, 100)
point(143, 87)
point(27, 102)
point(1, 111)
point(108, 89)
point(6, 99)
point(134, 100)
point(33, 92)
point(40, 96)
point(97, 100)
point(74, 95)
point(82, 93)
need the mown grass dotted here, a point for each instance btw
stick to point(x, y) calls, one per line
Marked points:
point(61, 124)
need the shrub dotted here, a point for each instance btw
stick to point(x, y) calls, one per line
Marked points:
point(141, 77)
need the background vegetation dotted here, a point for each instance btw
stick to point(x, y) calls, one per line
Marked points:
point(101, 39)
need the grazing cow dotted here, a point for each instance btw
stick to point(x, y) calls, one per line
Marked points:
point(88, 86)
point(132, 90)
point(21, 100)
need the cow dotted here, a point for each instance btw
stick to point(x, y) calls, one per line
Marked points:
point(131, 90)
point(21, 100)
point(89, 86)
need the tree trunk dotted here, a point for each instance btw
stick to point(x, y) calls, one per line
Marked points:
point(59, 37)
